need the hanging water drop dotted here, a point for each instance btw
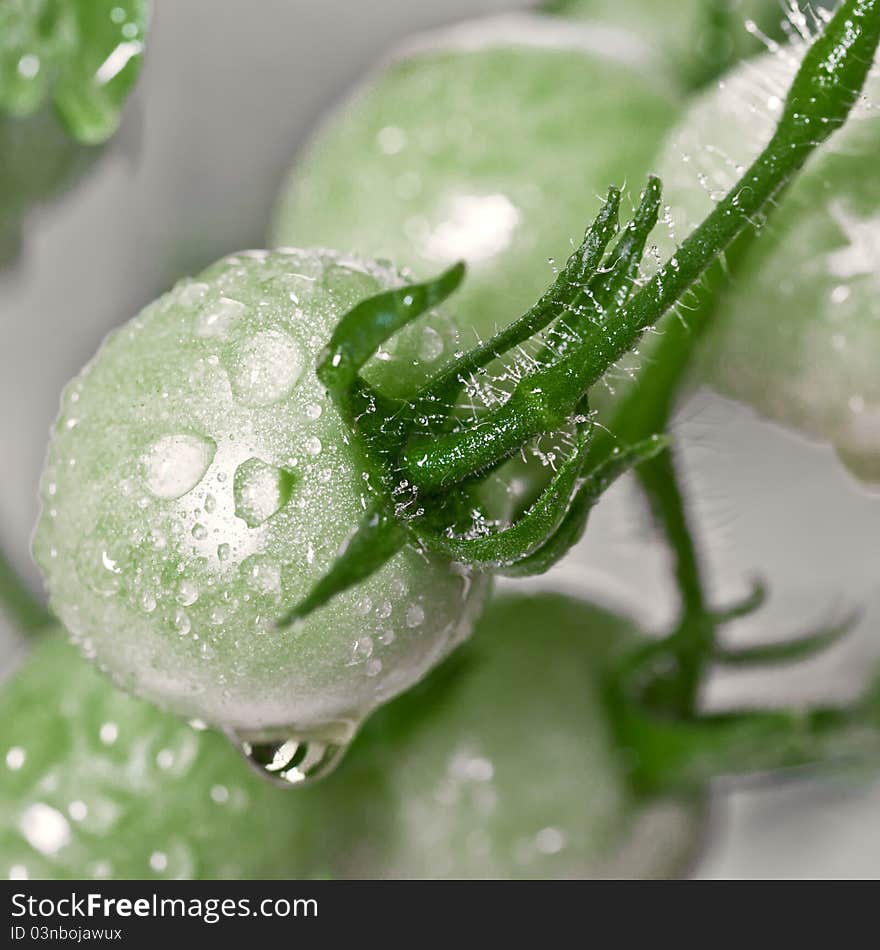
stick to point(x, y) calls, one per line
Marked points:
point(290, 762)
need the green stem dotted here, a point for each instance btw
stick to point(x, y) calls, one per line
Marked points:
point(827, 85)
point(18, 603)
point(647, 408)
point(824, 91)
point(694, 639)
point(677, 755)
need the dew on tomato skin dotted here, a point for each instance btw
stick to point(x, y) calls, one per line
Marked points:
point(313, 446)
point(174, 464)
point(261, 490)
point(189, 293)
point(215, 320)
point(187, 593)
point(98, 564)
point(263, 573)
point(44, 828)
point(182, 623)
point(264, 368)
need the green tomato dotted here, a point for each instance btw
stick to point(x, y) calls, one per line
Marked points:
point(682, 29)
point(199, 481)
point(500, 765)
point(798, 333)
point(503, 765)
point(488, 142)
point(84, 55)
point(99, 785)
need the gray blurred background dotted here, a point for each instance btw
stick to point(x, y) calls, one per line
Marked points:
point(229, 90)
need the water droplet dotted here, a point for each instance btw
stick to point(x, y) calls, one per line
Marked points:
point(363, 649)
point(550, 841)
point(199, 532)
point(313, 411)
point(290, 762)
point(210, 504)
point(313, 445)
point(108, 733)
point(187, 593)
point(431, 345)
point(263, 573)
point(415, 616)
point(349, 283)
point(260, 490)
point(99, 564)
point(391, 139)
point(182, 622)
point(215, 320)
point(220, 794)
point(224, 551)
point(175, 464)
point(265, 368)
point(44, 828)
point(191, 292)
point(148, 602)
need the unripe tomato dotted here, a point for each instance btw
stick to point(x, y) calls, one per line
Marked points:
point(798, 330)
point(501, 765)
point(683, 30)
point(488, 142)
point(97, 784)
point(506, 767)
point(199, 481)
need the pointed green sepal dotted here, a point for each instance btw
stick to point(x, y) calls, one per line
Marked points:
point(589, 490)
point(794, 650)
point(365, 327)
point(570, 282)
point(500, 550)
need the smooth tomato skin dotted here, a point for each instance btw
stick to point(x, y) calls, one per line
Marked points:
point(499, 765)
point(489, 142)
point(199, 481)
point(798, 329)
